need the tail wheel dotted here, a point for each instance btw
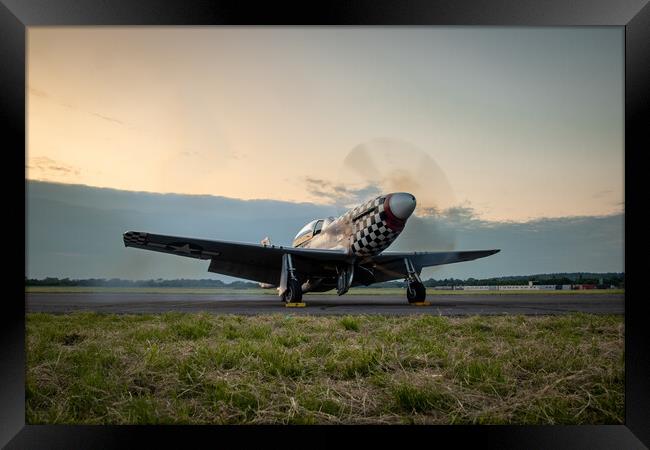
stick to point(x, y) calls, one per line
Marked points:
point(293, 294)
point(416, 292)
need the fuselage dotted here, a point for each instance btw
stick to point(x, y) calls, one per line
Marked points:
point(366, 230)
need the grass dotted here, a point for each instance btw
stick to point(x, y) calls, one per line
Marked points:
point(260, 291)
point(90, 368)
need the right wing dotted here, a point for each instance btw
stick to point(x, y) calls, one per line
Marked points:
point(391, 266)
point(261, 263)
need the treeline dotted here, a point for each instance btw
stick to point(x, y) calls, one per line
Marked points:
point(610, 278)
point(616, 279)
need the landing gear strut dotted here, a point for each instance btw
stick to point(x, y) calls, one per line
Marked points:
point(415, 290)
point(344, 279)
point(290, 287)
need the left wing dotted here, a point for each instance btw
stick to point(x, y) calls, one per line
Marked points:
point(391, 266)
point(262, 263)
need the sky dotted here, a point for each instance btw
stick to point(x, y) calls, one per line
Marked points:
point(509, 138)
point(518, 123)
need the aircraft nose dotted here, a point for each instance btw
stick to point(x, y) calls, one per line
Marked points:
point(402, 204)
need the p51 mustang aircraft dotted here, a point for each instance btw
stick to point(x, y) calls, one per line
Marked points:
point(332, 253)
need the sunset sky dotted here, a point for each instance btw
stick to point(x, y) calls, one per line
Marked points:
point(524, 123)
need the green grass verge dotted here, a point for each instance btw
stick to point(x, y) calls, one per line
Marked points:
point(253, 291)
point(90, 368)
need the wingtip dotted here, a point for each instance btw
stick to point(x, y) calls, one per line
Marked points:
point(133, 237)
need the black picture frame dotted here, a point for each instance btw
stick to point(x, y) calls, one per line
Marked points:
point(634, 15)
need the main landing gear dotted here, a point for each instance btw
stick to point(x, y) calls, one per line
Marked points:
point(415, 290)
point(290, 287)
point(293, 294)
point(344, 279)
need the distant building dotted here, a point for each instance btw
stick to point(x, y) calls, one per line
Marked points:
point(523, 287)
point(587, 286)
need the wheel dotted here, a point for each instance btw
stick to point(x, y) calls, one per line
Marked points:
point(416, 292)
point(293, 294)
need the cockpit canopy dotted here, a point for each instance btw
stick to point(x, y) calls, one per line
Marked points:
point(312, 229)
point(307, 228)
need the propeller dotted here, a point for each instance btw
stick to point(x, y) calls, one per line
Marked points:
point(394, 165)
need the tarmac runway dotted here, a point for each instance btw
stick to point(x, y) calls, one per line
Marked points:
point(445, 305)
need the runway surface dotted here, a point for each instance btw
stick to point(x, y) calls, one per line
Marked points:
point(446, 305)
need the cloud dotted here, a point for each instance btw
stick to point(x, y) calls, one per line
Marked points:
point(456, 213)
point(543, 245)
point(226, 154)
point(47, 166)
point(601, 194)
point(76, 231)
point(39, 93)
point(339, 194)
point(108, 118)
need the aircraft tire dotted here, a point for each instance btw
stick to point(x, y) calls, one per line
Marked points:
point(293, 294)
point(416, 292)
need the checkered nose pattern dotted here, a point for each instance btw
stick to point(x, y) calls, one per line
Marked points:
point(375, 227)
